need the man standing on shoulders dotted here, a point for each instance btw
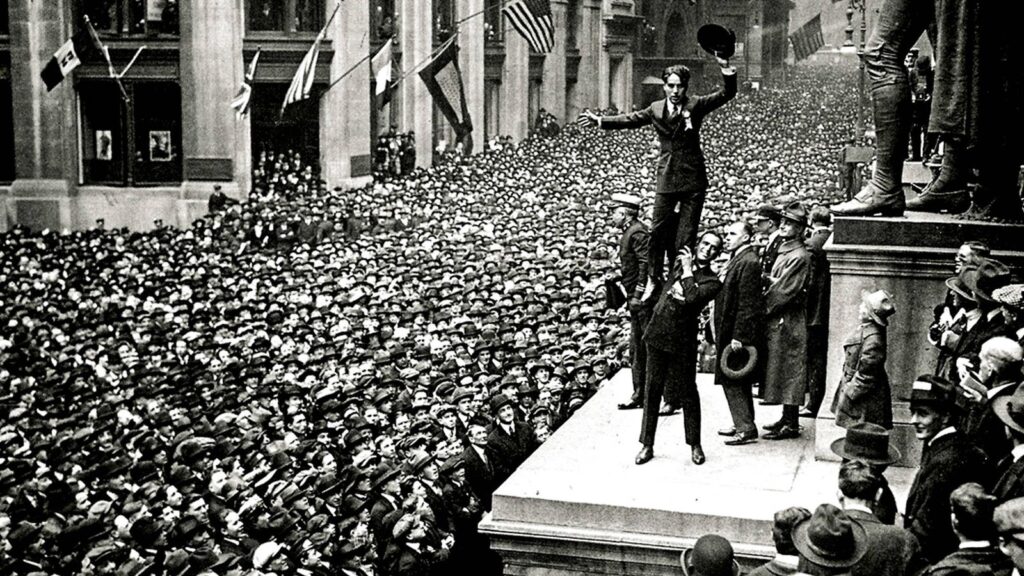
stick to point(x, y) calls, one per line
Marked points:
point(786, 304)
point(682, 173)
point(671, 340)
point(891, 551)
point(633, 247)
point(739, 324)
point(819, 288)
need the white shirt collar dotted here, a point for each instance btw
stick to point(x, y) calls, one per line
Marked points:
point(972, 318)
point(787, 560)
point(993, 313)
point(991, 393)
point(1020, 333)
point(974, 544)
point(858, 507)
point(944, 432)
point(1017, 452)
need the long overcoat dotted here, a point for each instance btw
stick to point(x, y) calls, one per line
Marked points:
point(786, 301)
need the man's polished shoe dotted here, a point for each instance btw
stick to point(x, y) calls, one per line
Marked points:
point(872, 201)
point(741, 438)
point(773, 426)
point(697, 455)
point(631, 405)
point(727, 432)
point(645, 455)
point(939, 196)
point(668, 410)
point(783, 433)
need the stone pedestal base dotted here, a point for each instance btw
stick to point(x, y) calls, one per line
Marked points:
point(911, 258)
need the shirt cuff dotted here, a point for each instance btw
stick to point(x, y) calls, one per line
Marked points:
point(729, 71)
point(598, 121)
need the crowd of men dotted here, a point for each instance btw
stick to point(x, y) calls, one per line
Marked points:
point(394, 154)
point(326, 381)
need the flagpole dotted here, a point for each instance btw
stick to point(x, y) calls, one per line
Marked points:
point(485, 10)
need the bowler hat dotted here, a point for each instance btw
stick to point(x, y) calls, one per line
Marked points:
point(717, 40)
point(866, 442)
point(499, 401)
point(830, 538)
point(711, 555)
point(729, 363)
point(1010, 409)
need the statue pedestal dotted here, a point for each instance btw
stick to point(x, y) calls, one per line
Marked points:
point(909, 257)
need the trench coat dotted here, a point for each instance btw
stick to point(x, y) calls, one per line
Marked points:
point(864, 394)
point(786, 316)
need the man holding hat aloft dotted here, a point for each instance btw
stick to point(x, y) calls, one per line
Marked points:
point(864, 394)
point(682, 172)
point(948, 460)
point(739, 332)
point(785, 378)
point(633, 248)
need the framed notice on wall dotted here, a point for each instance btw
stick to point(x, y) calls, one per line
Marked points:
point(104, 145)
point(160, 146)
point(155, 9)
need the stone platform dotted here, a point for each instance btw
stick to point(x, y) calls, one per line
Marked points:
point(580, 505)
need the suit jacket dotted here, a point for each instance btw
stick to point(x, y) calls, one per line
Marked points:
point(510, 451)
point(819, 286)
point(891, 551)
point(988, 561)
point(633, 258)
point(739, 309)
point(1011, 479)
point(947, 463)
point(984, 428)
point(378, 513)
point(673, 325)
point(864, 394)
point(969, 344)
point(681, 167)
point(772, 568)
point(480, 475)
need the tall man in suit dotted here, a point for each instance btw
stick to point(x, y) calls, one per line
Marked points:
point(739, 322)
point(511, 440)
point(819, 288)
point(682, 174)
point(633, 249)
point(479, 461)
point(671, 340)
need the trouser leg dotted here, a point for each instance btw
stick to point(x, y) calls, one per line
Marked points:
point(691, 413)
point(817, 352)
point(638, 353)
point(741, 406)
point(682, 371)
point(657, 363)
point(664, 221)
point(690, 208)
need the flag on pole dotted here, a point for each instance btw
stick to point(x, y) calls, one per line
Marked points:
point(244, 96)
point(807, 39)
point(302, 83)
point(532, 20)
point(381, 67)
point(83, 46)
point(444, 82)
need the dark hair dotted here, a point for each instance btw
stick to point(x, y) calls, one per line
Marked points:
point(972, 508)
point(821, 215)
point(858, 480)
point(782, 529)
point(679, 70)
point(721, 241)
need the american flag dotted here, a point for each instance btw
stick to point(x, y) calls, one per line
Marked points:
point(244, 96)
point(532, 20)
point(302, 83)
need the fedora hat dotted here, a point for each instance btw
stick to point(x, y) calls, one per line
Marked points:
point(728, 363)
point(878, 305)
point(989, 276)
point(499, 401)
point(717, 40)
point(711, 555)
point(931, 389)
point(1010, 409)
point(866, 442)
point(957, 284)
point(830, 538)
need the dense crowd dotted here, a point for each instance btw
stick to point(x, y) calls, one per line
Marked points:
point(394, 154)
point(330, 381)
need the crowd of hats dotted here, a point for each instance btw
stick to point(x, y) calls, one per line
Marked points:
point(232, 397)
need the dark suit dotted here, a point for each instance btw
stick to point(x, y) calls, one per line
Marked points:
point(682, 174)
point(633, 248)
point(987, 561)
point(739, 315)
point(969, 344)
point(819, 287)
point(948, 462)
point(378, 524)
point(510, 451)
point(480, 475)
point(891, 551)
point(984, 428)
point(1011, 479)
point(671, 340)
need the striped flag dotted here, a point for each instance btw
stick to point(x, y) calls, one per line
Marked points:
point(381, 68)
point(244, 96)
point(807, 39)
point(532, 20)
point(302, 83)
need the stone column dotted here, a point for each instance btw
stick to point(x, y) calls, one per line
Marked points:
point(471, 63)
point(515, 85)
point(215, 147)
point(415, 30)
point(552, 89)
point(589, 38)
point(346, 108)
point(46, 151)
